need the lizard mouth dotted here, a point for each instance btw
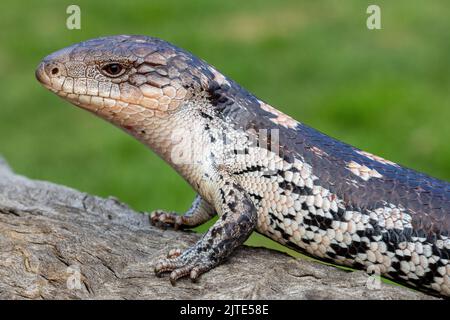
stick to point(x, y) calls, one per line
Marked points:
point(45, 80)
point(43, 77)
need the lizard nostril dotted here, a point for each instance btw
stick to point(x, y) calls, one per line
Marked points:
point(55, 71)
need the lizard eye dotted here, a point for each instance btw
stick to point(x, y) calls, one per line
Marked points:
point(113, 70)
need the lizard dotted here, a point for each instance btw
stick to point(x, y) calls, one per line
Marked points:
point(256, 168)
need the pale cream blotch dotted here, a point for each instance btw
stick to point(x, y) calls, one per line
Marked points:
point(218, 77)
point(318, 152)
point(376, 158)
point(280, 118)
point(363, 171)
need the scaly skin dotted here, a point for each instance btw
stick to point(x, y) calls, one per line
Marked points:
point(257, 168)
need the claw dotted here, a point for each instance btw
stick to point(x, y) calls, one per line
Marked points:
point(173, 253)
point(195, 273)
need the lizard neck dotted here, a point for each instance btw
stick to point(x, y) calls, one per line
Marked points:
point(181, 139)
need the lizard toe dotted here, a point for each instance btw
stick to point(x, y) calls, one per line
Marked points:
point(166, 265)
point(197, 271)
point(181, 264)
point(173, 253)
point(179, 273)
point(163, 219)
point(193, 270)
point(160, 219)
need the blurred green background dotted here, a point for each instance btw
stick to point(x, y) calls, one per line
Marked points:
point(385, 91)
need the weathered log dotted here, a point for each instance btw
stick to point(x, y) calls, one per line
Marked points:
point(59, 243)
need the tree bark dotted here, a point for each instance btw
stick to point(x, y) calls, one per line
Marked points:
point(59, 243)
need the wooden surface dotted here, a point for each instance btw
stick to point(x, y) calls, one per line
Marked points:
point(59, 243)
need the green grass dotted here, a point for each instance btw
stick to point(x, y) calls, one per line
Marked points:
point(385, 91)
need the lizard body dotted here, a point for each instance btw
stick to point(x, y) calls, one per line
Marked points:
point(257, 168)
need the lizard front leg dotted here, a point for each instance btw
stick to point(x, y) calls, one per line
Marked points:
point(199, 213)
point(237, 220)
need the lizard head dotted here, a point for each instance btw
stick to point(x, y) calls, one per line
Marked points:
point(131, 81)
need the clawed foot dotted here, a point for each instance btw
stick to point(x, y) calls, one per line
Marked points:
point(233, 227)
point(189, 263)
point(192, 262)
point(164, 219)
